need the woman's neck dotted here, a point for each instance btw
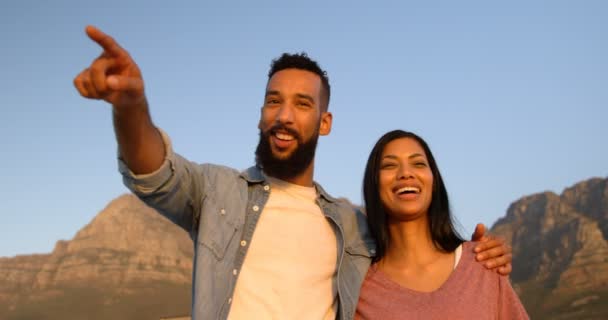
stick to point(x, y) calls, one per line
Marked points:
point(412, 259)
point(411, 243)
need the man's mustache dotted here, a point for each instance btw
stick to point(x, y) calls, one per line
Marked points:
point(281, 127)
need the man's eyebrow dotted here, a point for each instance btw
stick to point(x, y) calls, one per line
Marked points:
point(272, 92)
point(306, 97)
point(298, 95)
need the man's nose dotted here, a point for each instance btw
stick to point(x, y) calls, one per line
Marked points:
point(285, 114)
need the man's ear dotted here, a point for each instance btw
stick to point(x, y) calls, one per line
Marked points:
point(325, 127)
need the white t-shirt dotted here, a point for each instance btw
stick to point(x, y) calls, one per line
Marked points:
point(289, 271)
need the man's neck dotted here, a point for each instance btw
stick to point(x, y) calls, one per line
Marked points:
point(304, 179)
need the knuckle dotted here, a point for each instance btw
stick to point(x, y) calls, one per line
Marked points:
point(86, 82)
point(97, 66)
point(83, 92)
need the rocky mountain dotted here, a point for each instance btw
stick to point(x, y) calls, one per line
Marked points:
point(128, 263)
point(560, 249)
point(131, 263)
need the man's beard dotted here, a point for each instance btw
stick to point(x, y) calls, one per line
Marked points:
point(292, 166)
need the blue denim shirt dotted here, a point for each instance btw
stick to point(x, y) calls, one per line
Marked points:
point(219, 207)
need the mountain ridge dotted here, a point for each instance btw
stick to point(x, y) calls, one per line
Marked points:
point(127, 253)
point(129, 262)
point(560, 250)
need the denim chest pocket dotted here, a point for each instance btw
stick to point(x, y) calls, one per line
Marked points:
point(217, 228)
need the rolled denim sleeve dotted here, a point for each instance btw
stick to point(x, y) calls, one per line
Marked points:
point(143, 184)
point(174, 190)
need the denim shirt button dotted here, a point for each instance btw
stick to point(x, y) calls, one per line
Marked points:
point(222, 211)
point(266, 187)
point(256, 208)
point(243, 243)
point(234, 272)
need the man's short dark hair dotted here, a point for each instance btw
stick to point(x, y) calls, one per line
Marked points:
point(303, 62)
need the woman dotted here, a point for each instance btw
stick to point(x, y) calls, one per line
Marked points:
point(423, 269)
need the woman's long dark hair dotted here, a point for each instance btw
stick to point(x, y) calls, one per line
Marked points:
point(444, 235)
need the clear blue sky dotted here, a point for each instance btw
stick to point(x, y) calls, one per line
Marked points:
point(511, 97)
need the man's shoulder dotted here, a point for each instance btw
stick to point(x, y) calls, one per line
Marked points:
point(354, 219)
point(213, 168)
point(221, 179)
point(218, 171)
point(252, 174)
point(346, 205)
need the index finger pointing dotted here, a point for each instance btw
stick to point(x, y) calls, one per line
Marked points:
point(105, 41)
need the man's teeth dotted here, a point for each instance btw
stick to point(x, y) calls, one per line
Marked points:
point(284, 136)
point(408, 190)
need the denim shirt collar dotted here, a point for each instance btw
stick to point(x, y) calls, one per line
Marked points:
point(255, 175)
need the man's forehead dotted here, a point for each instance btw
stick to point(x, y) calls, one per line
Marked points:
point(294, 78)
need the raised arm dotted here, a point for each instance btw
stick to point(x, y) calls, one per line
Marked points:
point(115, 78)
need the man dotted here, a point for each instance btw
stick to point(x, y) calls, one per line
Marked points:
point(269, 241)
